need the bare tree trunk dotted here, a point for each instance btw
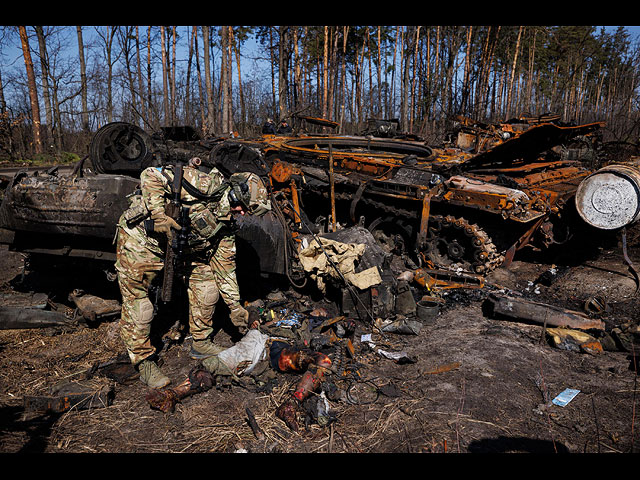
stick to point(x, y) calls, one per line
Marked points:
point(427, 82)
point(52, 106)
point(44, 65)
point(413, 81)
point(467, 72)
point(532, 56)
point(207, 80)
point(83, 81)
point(172, 78)
point(126, 48)
point(451, 69)
point(143, 110)
point(333, 73)
point(306, 72)
point(283, 87)
point(224, 40)
point(165, 77)
point(325, 72)
point(359, 81)
point(225, 83)
point(489, 62)
point(298, 92)
point(370, 103)
point(273, 73)
point(391, 103)
point(200, 95)
point(436, 75)
point(513, 72)
point(187, 104)
point(6, 134)
point(379, 71)
point(405, 81)
point(344, 77)
point(33, 92)
point(149, 89)
point(111, 31)
point(240, 94)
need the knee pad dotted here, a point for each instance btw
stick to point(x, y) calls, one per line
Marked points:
point(210, 294)
point(145, 309)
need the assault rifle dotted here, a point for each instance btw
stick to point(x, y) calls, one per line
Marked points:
point(174, 254)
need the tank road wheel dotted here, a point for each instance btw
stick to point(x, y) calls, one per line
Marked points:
point(121, 147)
point(392, 234)
point(455, 243)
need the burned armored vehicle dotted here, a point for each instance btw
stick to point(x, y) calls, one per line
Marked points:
point(74, 213)
point(467, 205)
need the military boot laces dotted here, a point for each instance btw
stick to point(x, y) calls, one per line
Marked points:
point(204, 349)
point(151, 375)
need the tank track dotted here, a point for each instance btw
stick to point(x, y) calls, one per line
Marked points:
point(465, 245)
point(481, 255)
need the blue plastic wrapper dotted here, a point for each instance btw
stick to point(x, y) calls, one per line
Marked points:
point(565, 397)
point(289, 319)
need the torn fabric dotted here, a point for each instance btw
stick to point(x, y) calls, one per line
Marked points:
point(344, 257)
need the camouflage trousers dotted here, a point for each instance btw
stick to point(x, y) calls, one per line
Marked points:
point(223, 265)
point(138, 266)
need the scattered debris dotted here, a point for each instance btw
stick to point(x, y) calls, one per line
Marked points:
point(520, 309)
point(19, 317)
point(427, 309)
point(442, 368)
point(401, 357)
point(92, 307)
point(573, 340)
point(79, 395)
point(596, 305)
point(251, 418)
point(563, 399)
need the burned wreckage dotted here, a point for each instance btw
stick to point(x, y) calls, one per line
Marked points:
point(459, 210)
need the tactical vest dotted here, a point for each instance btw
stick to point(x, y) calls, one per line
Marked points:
point(203, 193)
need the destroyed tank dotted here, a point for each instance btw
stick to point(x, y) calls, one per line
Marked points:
point(467, 205)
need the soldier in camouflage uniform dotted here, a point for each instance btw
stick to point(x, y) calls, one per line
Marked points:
point(209, 257)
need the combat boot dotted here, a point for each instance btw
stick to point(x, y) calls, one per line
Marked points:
point(151, 374)
point(204, 349)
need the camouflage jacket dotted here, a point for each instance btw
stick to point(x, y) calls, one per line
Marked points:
point(208, 219)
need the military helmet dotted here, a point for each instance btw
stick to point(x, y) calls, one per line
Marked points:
point(248, 190)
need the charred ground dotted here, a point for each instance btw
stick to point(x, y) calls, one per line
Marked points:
point(477, 384)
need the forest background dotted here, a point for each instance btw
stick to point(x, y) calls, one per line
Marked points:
point(60, 84)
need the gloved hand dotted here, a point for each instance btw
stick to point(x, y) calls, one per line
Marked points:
point(239, 317)
point(163, 224)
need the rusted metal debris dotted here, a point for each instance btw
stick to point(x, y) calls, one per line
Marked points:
point(519, 309)
point(573, 340)
point(70, 395)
